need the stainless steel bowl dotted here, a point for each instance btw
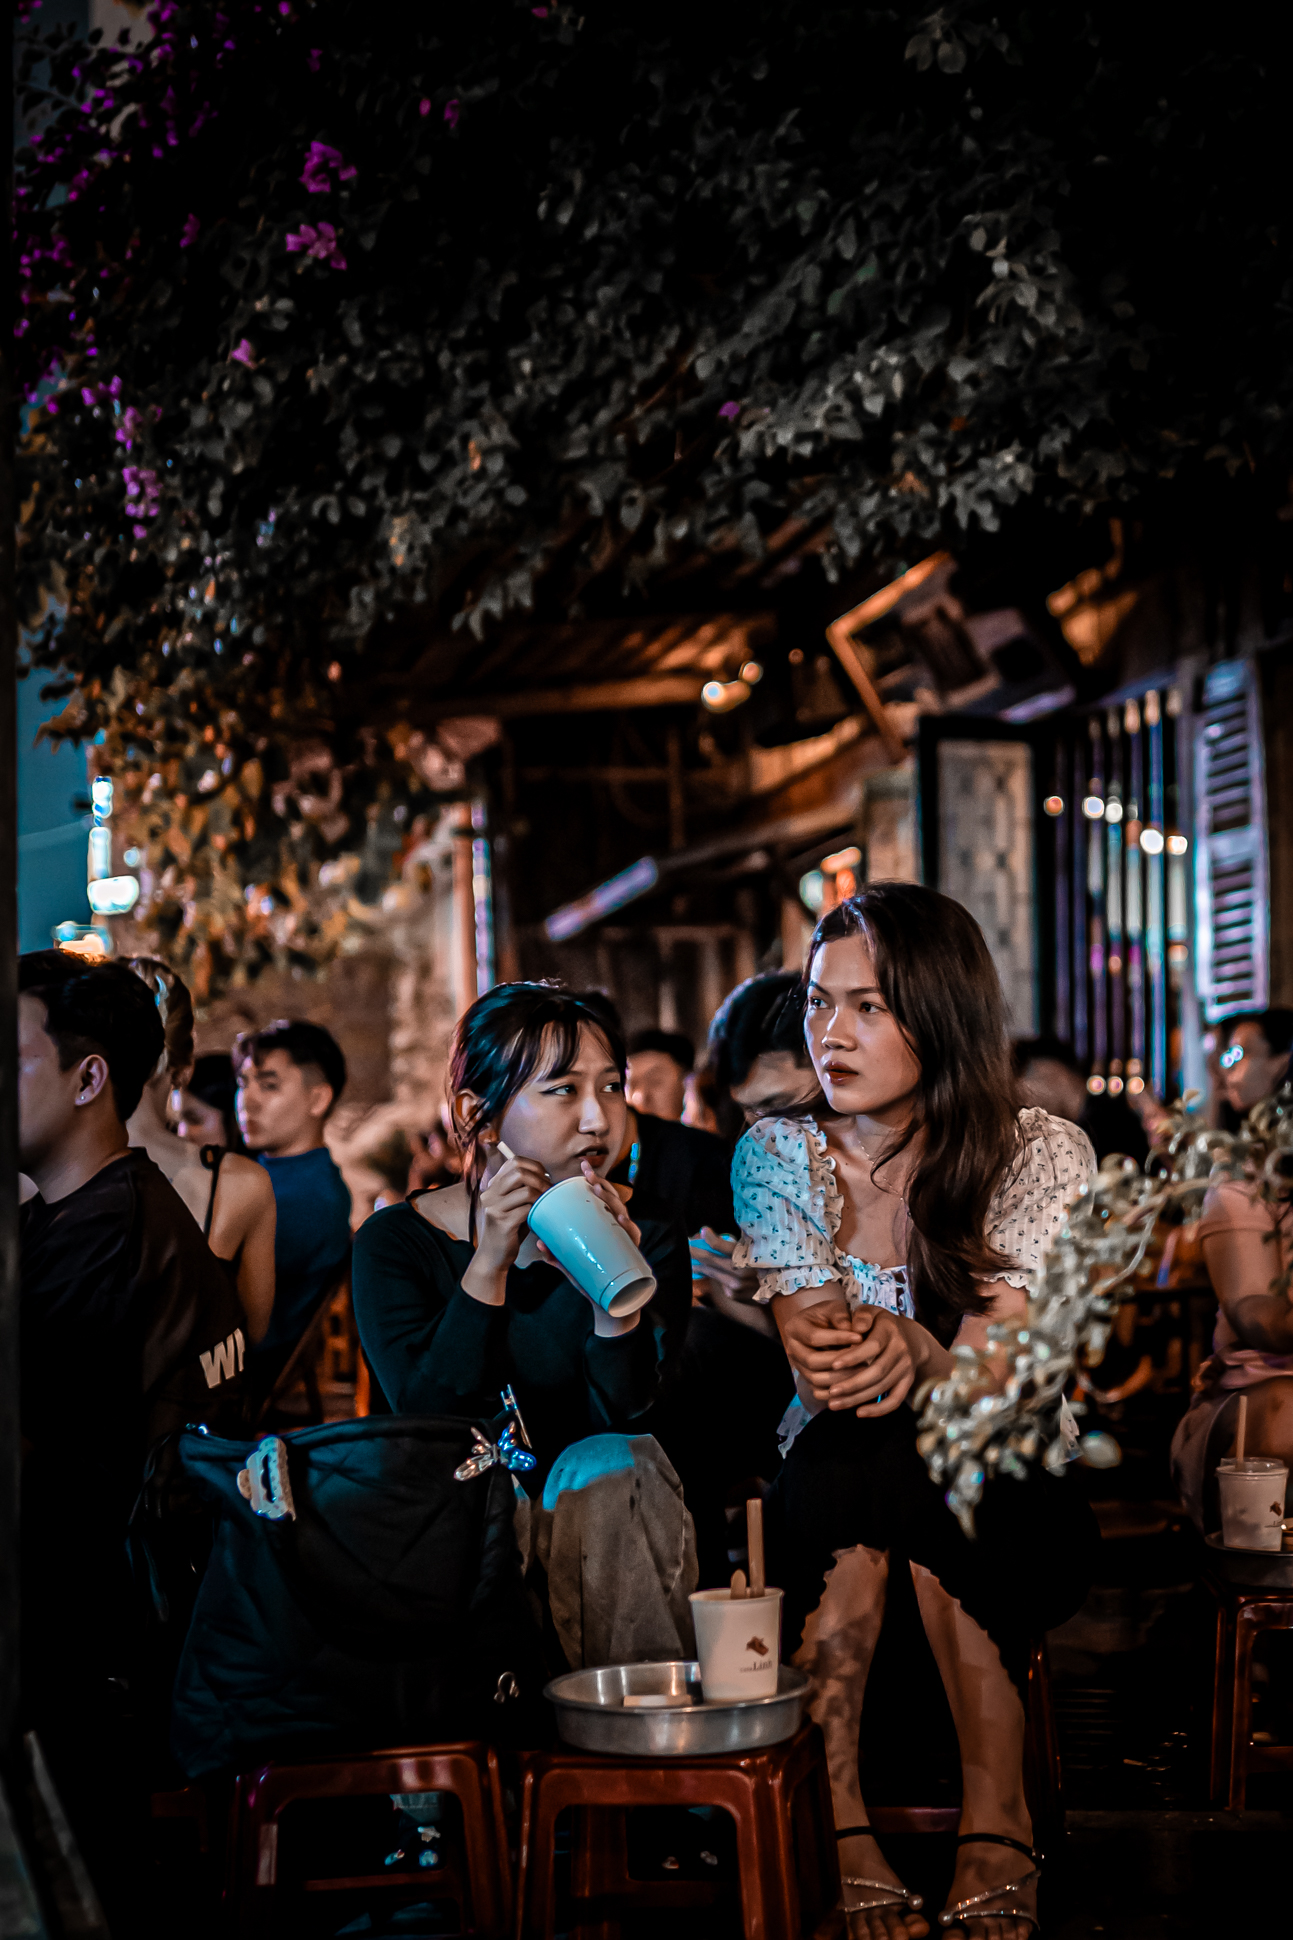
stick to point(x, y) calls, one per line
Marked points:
point(591, 1714)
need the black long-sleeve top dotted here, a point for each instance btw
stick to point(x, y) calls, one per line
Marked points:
point(433, 1350)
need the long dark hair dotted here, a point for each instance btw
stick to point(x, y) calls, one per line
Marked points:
point(502, 1041)
point(935, 975)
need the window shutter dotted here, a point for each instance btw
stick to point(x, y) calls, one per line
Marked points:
point(1230, 861)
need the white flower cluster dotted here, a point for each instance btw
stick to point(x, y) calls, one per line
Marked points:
point(998, 1412)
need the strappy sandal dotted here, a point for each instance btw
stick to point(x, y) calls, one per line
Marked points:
point(977, 1907)
point(891, 1893)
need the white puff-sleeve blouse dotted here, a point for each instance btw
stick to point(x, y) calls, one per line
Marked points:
point(789, 1205)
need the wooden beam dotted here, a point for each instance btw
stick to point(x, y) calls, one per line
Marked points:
point(572, 776)
point(677, 793)
point(851, 661)
point(642, 877)
point(840, 634)
point(463, 956)
point(655, 690)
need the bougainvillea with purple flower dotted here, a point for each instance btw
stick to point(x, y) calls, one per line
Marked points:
point(623, 292)
point(321, 165)
point(319, 241)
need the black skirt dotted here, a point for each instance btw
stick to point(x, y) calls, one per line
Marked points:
point(848, 1481)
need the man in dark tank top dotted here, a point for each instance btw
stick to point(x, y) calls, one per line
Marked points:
point(129, 1328)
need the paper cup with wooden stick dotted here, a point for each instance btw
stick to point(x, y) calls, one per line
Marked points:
point(738, 1630)
point(1252, 1491)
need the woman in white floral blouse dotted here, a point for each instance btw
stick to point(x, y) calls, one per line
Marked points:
point(905, 1222)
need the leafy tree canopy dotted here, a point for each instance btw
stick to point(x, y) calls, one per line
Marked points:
point(340, 314)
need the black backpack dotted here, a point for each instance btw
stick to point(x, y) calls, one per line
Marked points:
point(358, 1595)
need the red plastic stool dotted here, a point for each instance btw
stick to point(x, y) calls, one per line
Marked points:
point(1241, 1614)
point(470, 1771)
point(785, 1840)
point(189, 1802)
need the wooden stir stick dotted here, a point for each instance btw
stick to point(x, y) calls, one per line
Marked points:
point(738, 1588)
point(754, 1528)
point(1241, 1432)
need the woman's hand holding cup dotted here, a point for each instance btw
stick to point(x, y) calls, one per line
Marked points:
point(614, 1197)
point(604, 1324)
point(501, 1212)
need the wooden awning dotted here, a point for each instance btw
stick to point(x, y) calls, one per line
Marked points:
point(581, 666)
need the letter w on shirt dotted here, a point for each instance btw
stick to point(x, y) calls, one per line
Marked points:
point(224, 1360)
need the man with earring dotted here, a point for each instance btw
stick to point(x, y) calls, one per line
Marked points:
point(129, 1328)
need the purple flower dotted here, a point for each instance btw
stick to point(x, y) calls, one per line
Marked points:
point(540, 13)
point(731, 410)
point(313, 58)
point(143, 493)
point(320, 243)
point(190, 232)
point(452, 112)
point(320, 159)
point(242, 353)
point(424, 106)
point(131, 425)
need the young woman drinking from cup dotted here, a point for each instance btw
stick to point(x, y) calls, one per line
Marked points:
point(901, 1220)
point(456, 1300)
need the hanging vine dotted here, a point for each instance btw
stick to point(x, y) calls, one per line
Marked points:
point(347, 333)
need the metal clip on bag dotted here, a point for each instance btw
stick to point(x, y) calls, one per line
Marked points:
point(358, 1595)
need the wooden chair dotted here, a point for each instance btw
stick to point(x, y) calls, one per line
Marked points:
point(257, 1894)
point(1242, 1613)
point(785, 1841)
point(302, 1363)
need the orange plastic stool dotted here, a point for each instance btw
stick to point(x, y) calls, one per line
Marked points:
point(255, 1893)
point(780, 1799)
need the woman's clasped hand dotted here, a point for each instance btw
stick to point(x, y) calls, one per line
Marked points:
point(867, 1359)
